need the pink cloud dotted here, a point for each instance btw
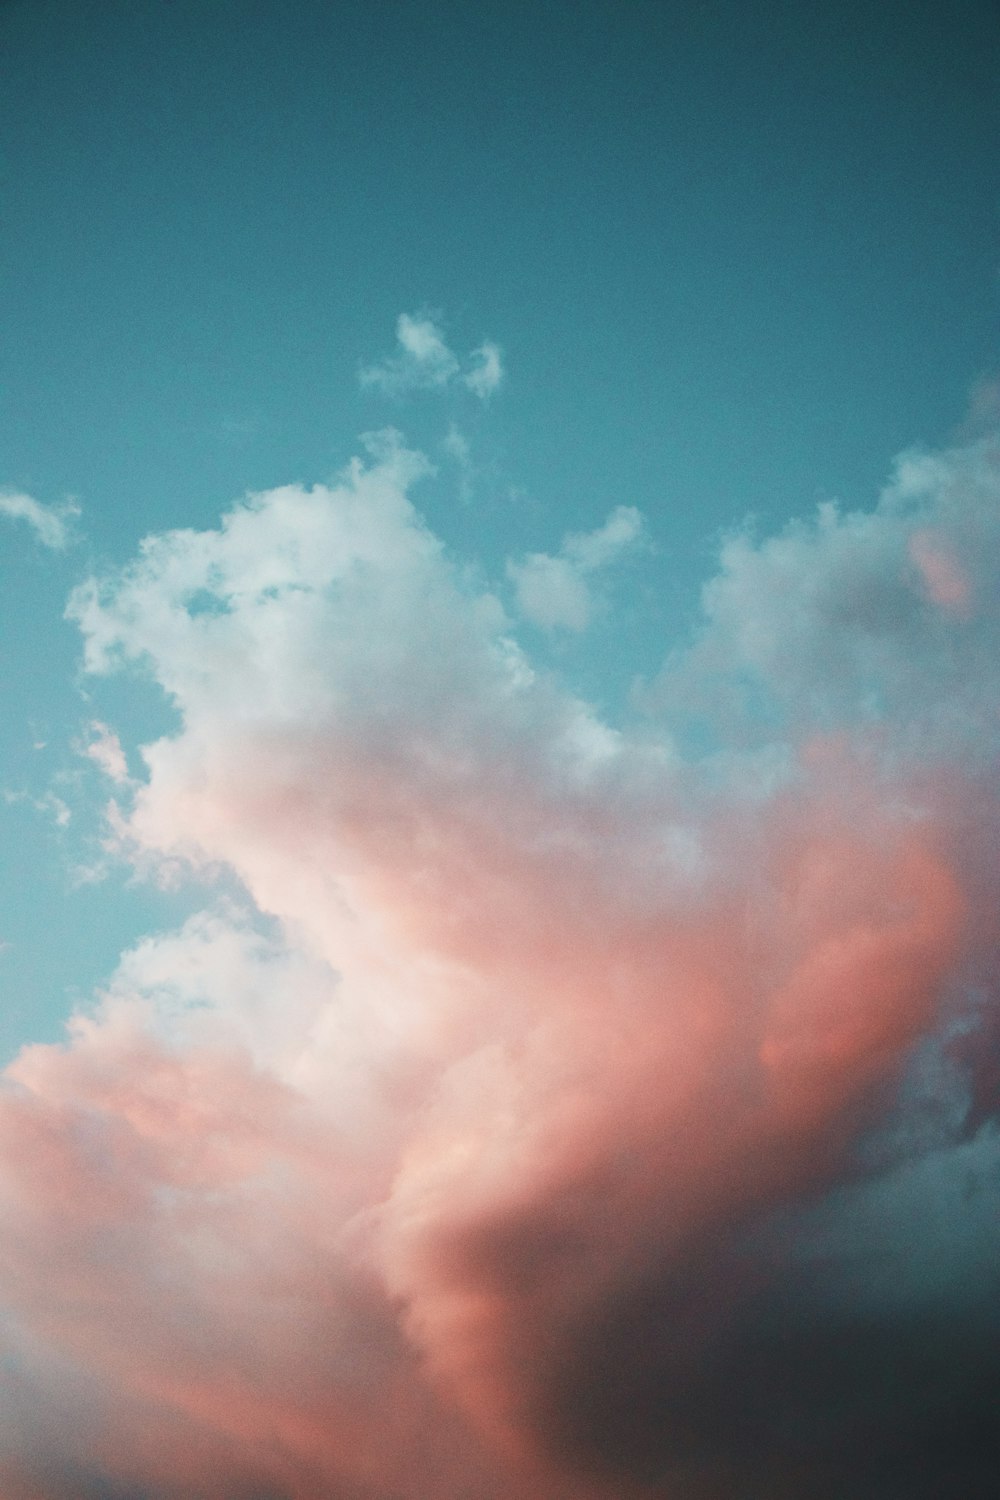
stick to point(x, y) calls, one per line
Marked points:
point(947, 585)
point(556, 1027)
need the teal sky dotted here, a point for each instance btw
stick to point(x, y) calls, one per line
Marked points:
point(736, 256)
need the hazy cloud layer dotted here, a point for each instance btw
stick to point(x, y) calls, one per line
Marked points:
point(562, 1116)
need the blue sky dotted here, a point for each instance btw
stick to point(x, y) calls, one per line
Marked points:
point(737, 257)
point(670, 277)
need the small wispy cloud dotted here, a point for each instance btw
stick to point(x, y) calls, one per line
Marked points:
point(487, 371)
point(555, 592)
point(458, 448)
point(424, 362)
point(49, 805)
point(52, 525)
point(105, 750)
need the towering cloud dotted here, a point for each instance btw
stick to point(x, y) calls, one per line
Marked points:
point(561, 1113)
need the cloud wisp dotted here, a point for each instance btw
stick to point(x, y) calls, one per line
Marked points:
point(558, 1115)
point(52, 525)
point(557, 592)
point(104, 748)
point(424, 362)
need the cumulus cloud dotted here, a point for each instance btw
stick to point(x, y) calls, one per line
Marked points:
point(558, 1115)
point(857, 621)
point(52, 525)
point(556, 592)
point(426, 363)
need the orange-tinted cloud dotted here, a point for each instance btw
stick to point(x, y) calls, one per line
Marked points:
point(491, 1166)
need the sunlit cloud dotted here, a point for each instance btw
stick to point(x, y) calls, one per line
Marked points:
point(520, 1129)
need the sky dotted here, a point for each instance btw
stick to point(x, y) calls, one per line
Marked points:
point(499, 582)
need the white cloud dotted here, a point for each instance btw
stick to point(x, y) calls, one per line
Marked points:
point(425, 362)
point(459, 450)
point(457, 446)
point(487, 371)
point(852, 620)
point(551, 592)
point(555, 592)
point(52, 525)
point(595, 549)
point(105, 750)
point(49, 804)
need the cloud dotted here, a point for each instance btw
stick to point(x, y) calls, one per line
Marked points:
point(105, 750)
point(555, 592)
point(52, 525)
point(49, 804)
point(857, 621)
point(425, 363)
point(556, 1115)
point(458, 448)
point(487, 371)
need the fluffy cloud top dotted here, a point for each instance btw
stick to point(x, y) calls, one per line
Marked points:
point(425, 362)
point(52, 525)
point(558, 1116)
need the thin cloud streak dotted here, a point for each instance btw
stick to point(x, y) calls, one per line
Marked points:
point(52, 525)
